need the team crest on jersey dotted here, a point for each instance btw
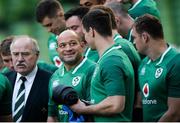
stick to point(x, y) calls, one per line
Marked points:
point(158, 72)
point(146, 90)
point(76, 80)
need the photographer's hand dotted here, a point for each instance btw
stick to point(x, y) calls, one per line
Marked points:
point(78, 107)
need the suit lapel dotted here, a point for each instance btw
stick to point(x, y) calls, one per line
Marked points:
point(33, 93)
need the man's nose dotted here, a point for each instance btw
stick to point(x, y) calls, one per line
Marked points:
point(20, 57)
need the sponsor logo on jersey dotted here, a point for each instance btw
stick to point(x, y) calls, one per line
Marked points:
point(158, 72)
point(146, 94)
point(149, 102)
point(62, 112)
point(57, 61)
point(146, 90)
point(76, 80)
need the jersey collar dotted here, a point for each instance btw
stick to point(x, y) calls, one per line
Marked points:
point(109, 50)
point(162, 56)
point(135, 5)
point(76, 68)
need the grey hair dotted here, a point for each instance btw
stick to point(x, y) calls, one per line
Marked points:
point(33, 41)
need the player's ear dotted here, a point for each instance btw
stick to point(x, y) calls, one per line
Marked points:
point(91, 30)
point(145, 37)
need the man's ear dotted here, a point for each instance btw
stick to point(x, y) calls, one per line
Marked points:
point(91, 30)
point(83, 44)
point(60, 13)
point(145, 37)
point(118, 21)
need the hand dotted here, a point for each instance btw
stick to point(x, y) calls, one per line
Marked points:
point(78, 107)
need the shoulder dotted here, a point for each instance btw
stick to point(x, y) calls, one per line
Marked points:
point(44, 73)
point(174, 63)
point(3, 78)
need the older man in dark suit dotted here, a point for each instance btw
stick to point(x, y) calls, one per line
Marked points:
point(30, 93)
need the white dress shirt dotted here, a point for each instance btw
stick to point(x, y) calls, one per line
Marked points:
point(28, 84)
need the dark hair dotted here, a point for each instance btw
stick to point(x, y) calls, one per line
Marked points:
point(5, 46)
point(47, 8)
point(118, 8)
point(79, 11)
point(150, 24)
point(108, 10)
point(98, 20)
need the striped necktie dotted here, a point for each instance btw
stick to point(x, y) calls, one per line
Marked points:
point(19, 102)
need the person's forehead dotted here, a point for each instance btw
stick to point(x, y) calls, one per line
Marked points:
point(74, 20)
point(67, 35)
point(47, 20)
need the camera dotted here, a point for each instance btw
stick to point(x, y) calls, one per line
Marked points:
point(63, 94)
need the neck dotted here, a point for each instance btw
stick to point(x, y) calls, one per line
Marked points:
point(114, 32)
point(156, 49)
point(103, 43)
point(129, 23)
point(69, 66)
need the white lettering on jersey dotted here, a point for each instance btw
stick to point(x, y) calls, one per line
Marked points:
point(149, 102)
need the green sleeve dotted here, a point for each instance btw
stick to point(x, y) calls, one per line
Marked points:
point(54, 56)
point(87, 83)
point(5, 96)
point(173, 77)
point(113, 76)
point(45, 66)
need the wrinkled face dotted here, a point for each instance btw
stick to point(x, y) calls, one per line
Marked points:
point(89, 38)
point(23, 56)
point(139, 42)
point(88, 3)
point(55, 24)
point(74, 23)
point(69, 49)
point(7, 61)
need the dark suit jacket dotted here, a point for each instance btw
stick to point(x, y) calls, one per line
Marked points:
point(36, 108)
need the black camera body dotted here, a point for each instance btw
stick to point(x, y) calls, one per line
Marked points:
point(64, 95)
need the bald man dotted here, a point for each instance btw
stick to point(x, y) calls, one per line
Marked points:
point(76, 71)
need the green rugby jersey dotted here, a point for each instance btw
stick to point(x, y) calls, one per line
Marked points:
point(159, 80)
point(54, 56)
point(79, 78)
point(113, 76)
point(129, 50)
point(5, 96)
point(91, 54)
point(142, 7)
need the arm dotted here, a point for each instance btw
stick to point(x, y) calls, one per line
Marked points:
point(109, 106)
point(173, 112)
